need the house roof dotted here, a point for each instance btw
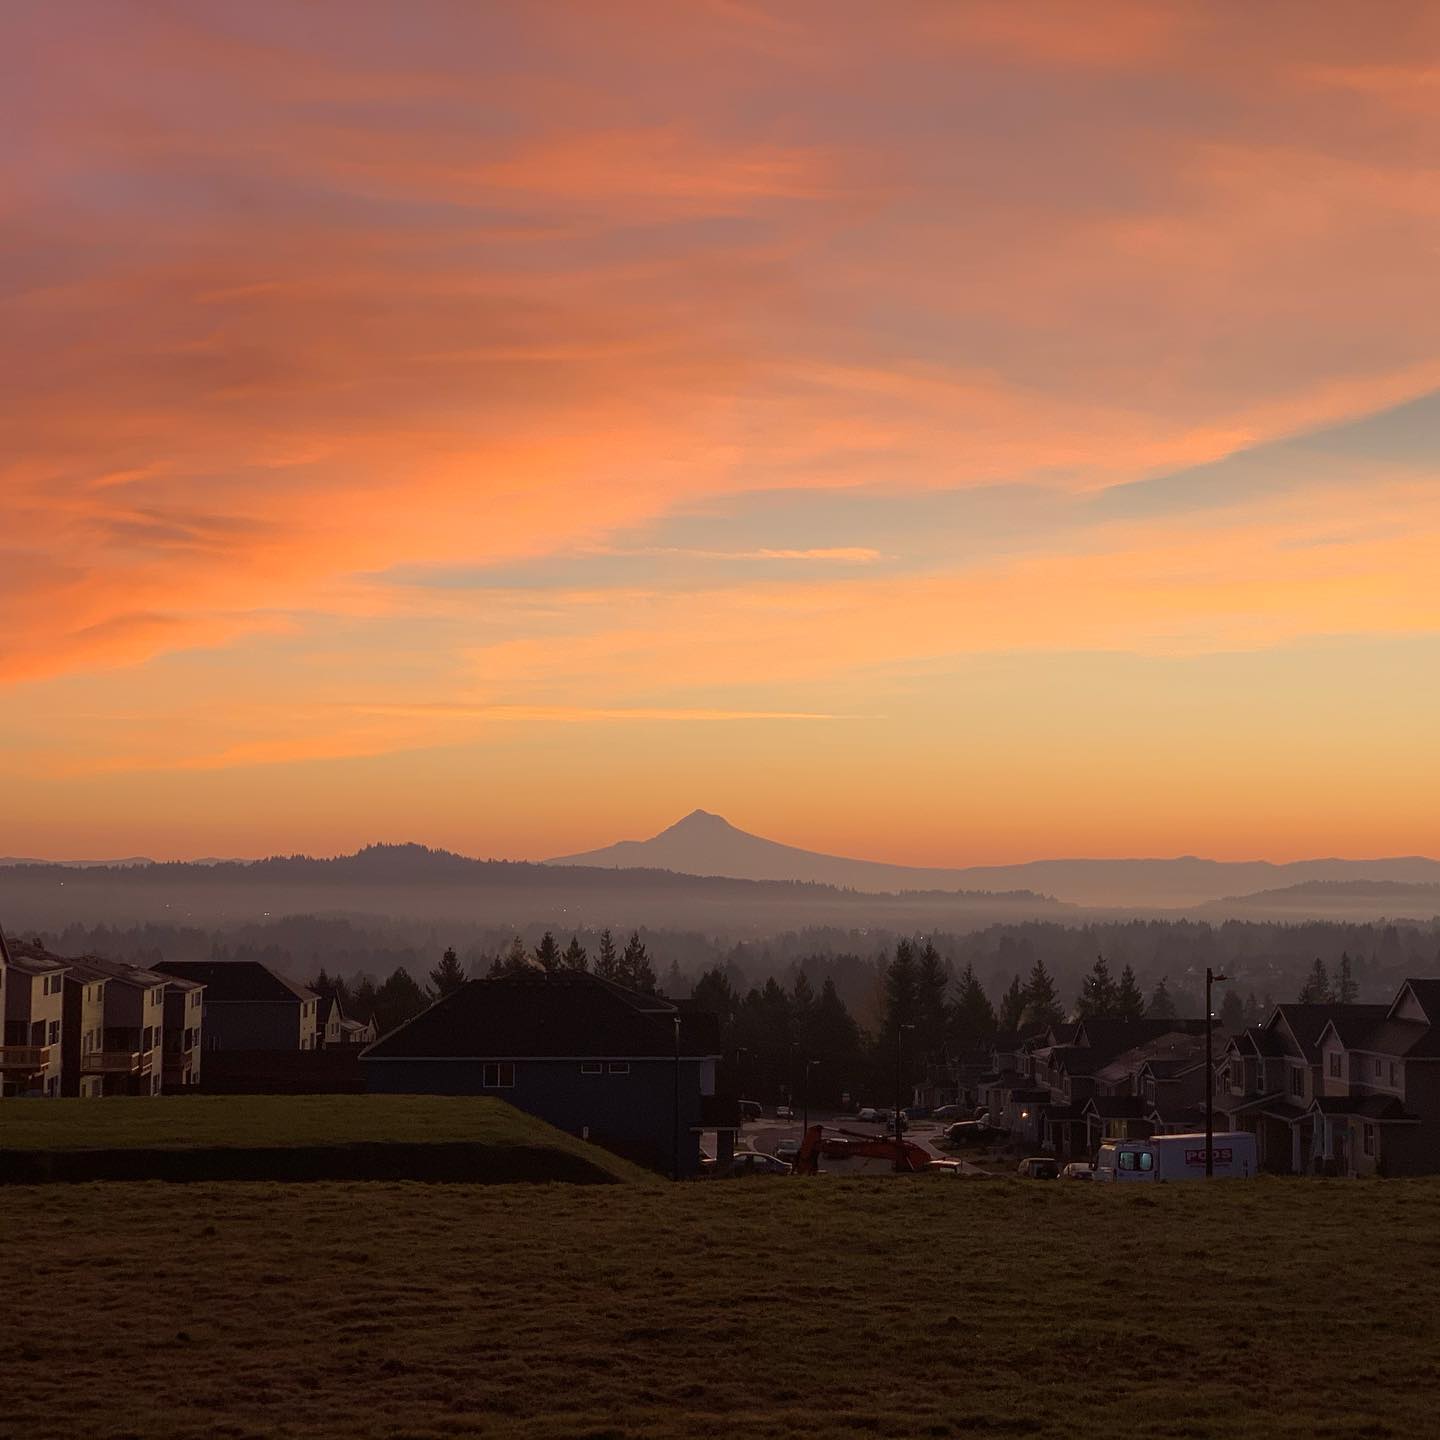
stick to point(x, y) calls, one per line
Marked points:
point(31, 960)
point(237, 982)
point(566, 1015)
point(1169, 1045)
point(34, 956)
point(1259, 1039)
point(1427, 992)
point(1369, 1107)
point(1108, 1038)
point(1306, 1023)
point(1116, 1107)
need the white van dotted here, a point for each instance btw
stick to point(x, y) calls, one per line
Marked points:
point(1177, 1157)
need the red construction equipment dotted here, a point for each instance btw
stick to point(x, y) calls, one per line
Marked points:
point(906, 1157)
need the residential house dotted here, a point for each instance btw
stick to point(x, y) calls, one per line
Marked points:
point(129, 1057)
point(333, 1027)
point(82, 1035)
point(1270, 1075)
point(633, 1072)
point(248, 1006)
point(1377, 1110)
point(184, 1032)
point(31, 1057)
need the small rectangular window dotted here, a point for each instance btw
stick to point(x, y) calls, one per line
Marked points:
point(54, 1032)
point(1394, 1075)
point(1334, 1064)
point(619, 1067)
point(591, 1067)
point(1377, 1069)
point(498, 1075)
point(1369, 1139)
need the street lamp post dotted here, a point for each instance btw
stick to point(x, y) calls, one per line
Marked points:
point(1210, 978)
point(899, 1091)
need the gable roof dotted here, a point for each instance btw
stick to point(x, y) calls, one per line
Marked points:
point(1117, 1107)
point(1426, 991)
point(1259, 1039)
point(1306, 1023)
point(563, 1016)
point(1108, 1038)
point(237, 982)
point(95, 967)
point(1172, 1045)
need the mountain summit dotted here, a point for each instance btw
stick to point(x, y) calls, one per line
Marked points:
point(706, 844)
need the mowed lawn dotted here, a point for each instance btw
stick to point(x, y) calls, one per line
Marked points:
point(880, 1307)
point(264, 1121)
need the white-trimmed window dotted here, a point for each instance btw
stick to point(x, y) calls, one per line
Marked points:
point(591, 1067)
point(498, 1075)
point(1335, 1065)
point(1377, 1069)
point(619, 1067)
point(1369, 1139)
point(1394, 1076)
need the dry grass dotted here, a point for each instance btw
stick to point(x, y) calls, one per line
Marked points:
point(243, 1121)
point(884, 1307)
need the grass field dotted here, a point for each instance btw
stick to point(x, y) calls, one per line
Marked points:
point(243, 1121)
point(884, 1307)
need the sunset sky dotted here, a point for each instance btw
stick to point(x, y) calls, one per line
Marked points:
point(940, 432)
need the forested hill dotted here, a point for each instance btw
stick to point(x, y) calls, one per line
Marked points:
point(412, 880)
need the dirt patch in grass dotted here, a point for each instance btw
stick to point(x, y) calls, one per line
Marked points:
point(884, 1307)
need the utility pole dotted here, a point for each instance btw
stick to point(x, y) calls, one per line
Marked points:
point(1210, 978)
point(676, 1138)
point(805, 1099)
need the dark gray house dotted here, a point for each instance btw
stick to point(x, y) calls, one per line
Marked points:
point(633, 1072)
point(248, 1006)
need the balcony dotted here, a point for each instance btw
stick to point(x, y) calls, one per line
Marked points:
point(115, 1062)
point(25, 1058)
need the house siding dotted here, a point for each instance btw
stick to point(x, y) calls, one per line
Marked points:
point(633, 1114)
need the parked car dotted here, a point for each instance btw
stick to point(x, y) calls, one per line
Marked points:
point(749, 1110)
point(835, 1147)
point(887, 1119)
point(947, 1112)
point(752, 1162)
point(786, 1149)
point(1038, 1167)
point(970, 1132)
point(1078, 1170)
point(784, 1112)
point(868, 1113)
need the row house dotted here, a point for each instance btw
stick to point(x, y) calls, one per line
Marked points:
point(34, 1008)
point(1378, 1110)
point(1270, 1076)
point(86, 1026)
point(184, 1022)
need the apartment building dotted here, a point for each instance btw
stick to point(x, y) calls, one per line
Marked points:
point(82, 1036)
point(248, 1006)
point(128, 1059)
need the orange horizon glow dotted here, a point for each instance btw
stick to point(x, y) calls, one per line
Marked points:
point(943, 435)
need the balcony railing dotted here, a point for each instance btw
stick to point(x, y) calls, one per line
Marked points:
point(24, 1057)
point(113, 1062)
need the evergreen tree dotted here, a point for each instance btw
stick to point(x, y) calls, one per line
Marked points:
point(1252, 1009)
point(1129, 1001)
point(362, 999)
point(835, 1043)
point(547, 952)
point(515, 961)
point(397, 1000)
point(449, 975)
point(635, 968)
point(1347, 992)
point(932, 983)
point(1316, 989)
point(1232, 1013)
point(1097, 993)
point(1041, 1005)
point(607, 963)
point(1012, 1007)
point(972, 1016)
point(575, 957)
point(1162, 1007)
point(675, 986)
point(802, 1010)
point(902, 991)
point(712, 992)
